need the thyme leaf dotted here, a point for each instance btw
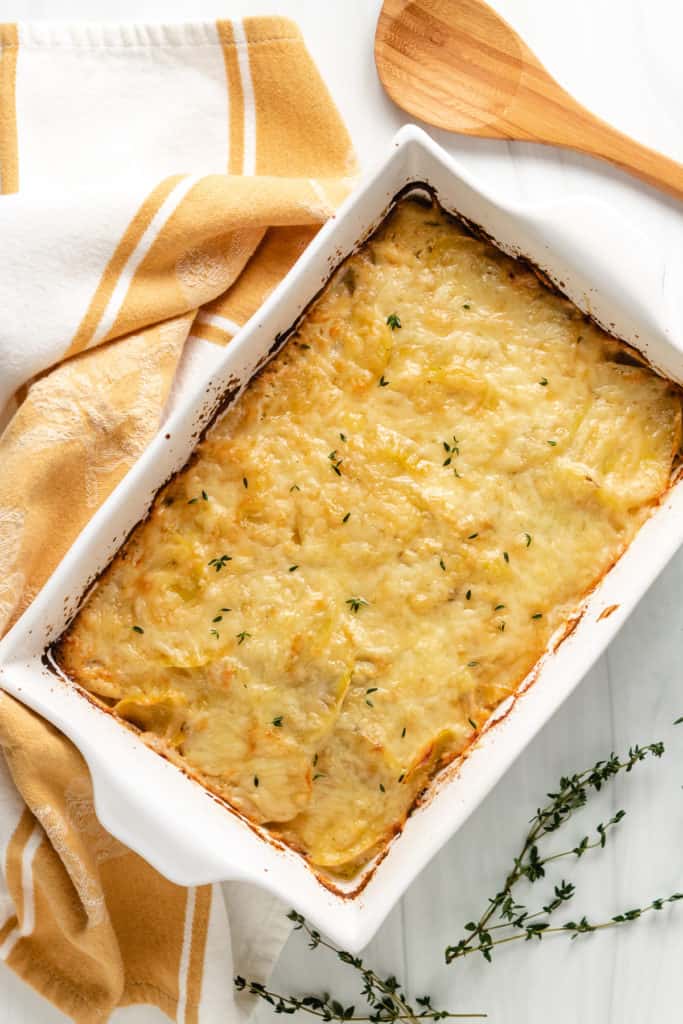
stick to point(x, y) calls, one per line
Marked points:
point(220, 563)
point(513, 919)
point(386, 1001)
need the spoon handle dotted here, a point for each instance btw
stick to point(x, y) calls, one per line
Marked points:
point(561, 121)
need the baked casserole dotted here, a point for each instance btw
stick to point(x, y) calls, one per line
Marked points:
point(374, 545)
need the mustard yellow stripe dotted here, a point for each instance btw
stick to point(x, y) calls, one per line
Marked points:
point(9, 925)
point(279, 250)
point(192, 258)
point(195, 971)
point(15, 850)
point(273, 29)
point(299, 131)
point(9, 146)
point(144, 907)
point(208, 332)
point(235, 97)
point(126, 246)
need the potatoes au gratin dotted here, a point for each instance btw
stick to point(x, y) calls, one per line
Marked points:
point(373, 546)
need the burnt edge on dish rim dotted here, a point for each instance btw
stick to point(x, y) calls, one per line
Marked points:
point(423, 192)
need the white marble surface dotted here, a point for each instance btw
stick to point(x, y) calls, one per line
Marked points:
point(624, 61)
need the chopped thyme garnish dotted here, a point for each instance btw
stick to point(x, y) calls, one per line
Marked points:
point(192, 501)
point(355, 603)
point(293, 568)
point(215, 634)
point(346, 517)
point(466, 305)
point(241, 637)
point(383, 383)
point(498, 607)
point(336, 462)
point(226, 609)
point(441, 563)
point(473, 724)
point(473, 536)
point(506, 556)
point(401, 777)
point(205, 496)
point(301, 344)
point(373, 689)
point(537, 615)
point(369, 703)
point(403, 732)
point(217, 618)
point(468, 595)
point(342, 437)
point(245, 482)
point(318, 775)
point(315, 760)
point(277, 721)
point(220, 563)
point(294, 487)
point(137, 629)
point(168, 500)
point(528, 539)
point(381, 786)
point(393, 321)
point(256, 780)
point(543, 382)
point(501, 627)
point(472, 664)
point(451, 450)
point(552, 443)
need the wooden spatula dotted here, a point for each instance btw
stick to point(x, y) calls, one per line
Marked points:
point(458, 65)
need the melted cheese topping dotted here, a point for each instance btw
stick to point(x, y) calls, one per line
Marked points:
point(374, 545)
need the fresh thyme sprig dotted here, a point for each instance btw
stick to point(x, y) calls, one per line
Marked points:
point(537, 929)
point(529, 864)
point(384, 996)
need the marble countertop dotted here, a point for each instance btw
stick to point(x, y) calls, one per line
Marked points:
point(623, 61)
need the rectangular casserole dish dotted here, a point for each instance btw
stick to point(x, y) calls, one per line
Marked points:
point(173, 822)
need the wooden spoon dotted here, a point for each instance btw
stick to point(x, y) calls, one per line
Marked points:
point(458, 65)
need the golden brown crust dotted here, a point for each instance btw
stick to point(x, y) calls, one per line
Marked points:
point(374, 545)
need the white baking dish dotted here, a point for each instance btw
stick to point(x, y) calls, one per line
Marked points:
point(148, 803)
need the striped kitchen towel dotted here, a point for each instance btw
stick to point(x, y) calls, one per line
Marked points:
point(156, 182)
